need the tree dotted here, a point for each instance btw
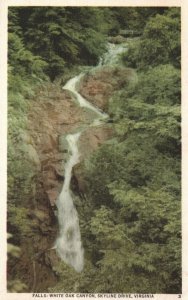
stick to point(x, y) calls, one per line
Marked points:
point(135, 18)
point(64, 37)
point(160, 43)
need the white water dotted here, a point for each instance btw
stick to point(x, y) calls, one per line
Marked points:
point(111, 57)
point(71, 86)
point(68, 245)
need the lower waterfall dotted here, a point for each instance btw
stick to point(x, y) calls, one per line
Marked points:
point(68, 244)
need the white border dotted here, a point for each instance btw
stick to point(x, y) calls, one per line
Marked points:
point(94, 2)
point(3, 126)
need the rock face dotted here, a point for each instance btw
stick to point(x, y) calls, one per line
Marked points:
point(49, 121)
point(98, 87)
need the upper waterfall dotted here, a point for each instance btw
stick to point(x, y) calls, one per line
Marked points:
point(111, 57)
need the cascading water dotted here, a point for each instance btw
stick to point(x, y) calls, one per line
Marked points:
point(71, 86)
point(68, 245)
point(111, 57)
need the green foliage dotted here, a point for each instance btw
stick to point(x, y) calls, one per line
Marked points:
point(22, 61)
point(14, 286)
point(165, 33)
point(11, 249)
point(71, 281)
point(135, 18)
point(103, 226)
point(25, 73)
point(18, 217)
point(134, 180)
point(161, 84)
point(65, 36)
point(159, 44)
point(152, 104)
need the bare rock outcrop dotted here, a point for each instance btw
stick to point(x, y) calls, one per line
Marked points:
point(100, 85)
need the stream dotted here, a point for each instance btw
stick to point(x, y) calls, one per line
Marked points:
point(68, 244)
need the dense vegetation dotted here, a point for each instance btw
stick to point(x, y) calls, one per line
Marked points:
point(130, 217)
point(134, 180)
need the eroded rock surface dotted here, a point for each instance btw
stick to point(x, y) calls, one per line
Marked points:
point(100, 85)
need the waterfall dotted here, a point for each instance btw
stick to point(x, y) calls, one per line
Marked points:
point(111, 57)
point(71, 86)
point(68, 244)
